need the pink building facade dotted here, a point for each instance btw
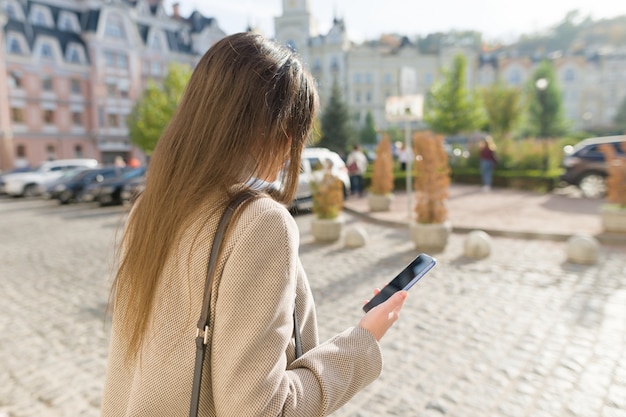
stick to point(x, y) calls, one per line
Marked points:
point(72, 70)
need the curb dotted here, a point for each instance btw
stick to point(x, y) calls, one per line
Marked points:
point(604, 238)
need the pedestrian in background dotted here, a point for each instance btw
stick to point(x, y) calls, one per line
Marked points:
point(246, 114)
point(357, 166)
point(488, 161)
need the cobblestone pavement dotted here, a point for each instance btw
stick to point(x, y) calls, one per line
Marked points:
point(521, 333)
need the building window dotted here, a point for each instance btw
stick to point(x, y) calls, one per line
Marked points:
point(77, 118)
point(428, 79)
point(68, 22)
point(78, 151)
point(155, 68)
point(11, 12)
point(114, 27)
point(15, 80)
point(113, 120)
point(40, 16)
point(17, 114)
point(46, 83)
point(357, 78)
point(111, 90)
point(51, 152)
point(20, 151)
point(15, 47)
point(75, 87)
point(73, 56)
point(48, 117)
point(317, 65)
point(46, 51)
point(387, 78)
point(155, 42)
point(368, 78)
point(515, 78)
point(368, 97)
point(357, 97)
point(122, 61)
point(570, 75)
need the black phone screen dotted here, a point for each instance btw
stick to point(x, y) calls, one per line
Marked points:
point(404, 280)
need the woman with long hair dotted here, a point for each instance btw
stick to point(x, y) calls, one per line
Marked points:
point(245, 116)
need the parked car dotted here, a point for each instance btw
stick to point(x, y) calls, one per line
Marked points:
point(585, 166)
point(132, 189)
point(46, 188)
point(109, 191)
point(13, 171)
point(28, 184)
point(314, 160)
point(72, 188)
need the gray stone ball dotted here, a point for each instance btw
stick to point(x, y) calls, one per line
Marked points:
point(583, 249)
point(355, 237)
point(477, 245)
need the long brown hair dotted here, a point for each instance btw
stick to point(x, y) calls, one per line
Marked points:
point(247, 111)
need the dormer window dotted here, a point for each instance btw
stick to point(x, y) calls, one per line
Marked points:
point(114, 27)
point(155, 43)
point(14, 46)
point(68, 22)
point(14, 10)
point(75, 54)
point(46, 51)
point(40, 16)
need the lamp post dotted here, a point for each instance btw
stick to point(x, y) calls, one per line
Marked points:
point(542, 86)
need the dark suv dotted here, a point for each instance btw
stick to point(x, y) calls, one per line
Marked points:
point(585, 165)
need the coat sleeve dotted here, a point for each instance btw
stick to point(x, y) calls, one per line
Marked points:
point(251, 375)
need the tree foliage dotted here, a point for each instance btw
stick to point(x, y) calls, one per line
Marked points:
point(153, 111)
point(368, 134)
point(545, 111)
point(503, 108)
point(450, 108)
point(335, 123)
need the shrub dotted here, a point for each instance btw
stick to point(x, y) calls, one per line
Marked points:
point(327, 196)
point(382, 172)
point(616, 179)
point(432, 177)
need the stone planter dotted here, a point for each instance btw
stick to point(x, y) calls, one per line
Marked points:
point(431, 238)
point(326, 230)
point(379, 202)
point(613, 218)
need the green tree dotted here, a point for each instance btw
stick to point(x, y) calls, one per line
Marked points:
point(620, 117)
point(335, 123)
point(153, 111)
point(368, 134)
point(545, 111)
point(450, 108)
point(503, 108)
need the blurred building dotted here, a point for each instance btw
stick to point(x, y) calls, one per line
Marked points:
point(74, 69)
point(593, 81)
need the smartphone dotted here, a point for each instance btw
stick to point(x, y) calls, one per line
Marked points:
point(404, 280)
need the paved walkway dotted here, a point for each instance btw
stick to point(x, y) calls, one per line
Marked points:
point(504, 212)
point(522, 333)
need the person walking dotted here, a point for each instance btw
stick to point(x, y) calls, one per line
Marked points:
point(357, 165)
point(246, 114)
point(488, 161)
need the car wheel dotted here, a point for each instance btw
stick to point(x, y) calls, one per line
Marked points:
point(592, 185)
point(30, 190)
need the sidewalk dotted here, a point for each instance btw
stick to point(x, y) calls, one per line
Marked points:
point(504, 212)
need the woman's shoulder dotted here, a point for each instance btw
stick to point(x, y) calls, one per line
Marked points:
point(266, 211)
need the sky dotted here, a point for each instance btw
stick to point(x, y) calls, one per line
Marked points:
point(497, 20)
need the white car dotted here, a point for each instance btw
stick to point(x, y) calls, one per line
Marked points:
point(312, 169)
point(29, 183)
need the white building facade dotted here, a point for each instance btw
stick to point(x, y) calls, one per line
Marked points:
point(593, 84)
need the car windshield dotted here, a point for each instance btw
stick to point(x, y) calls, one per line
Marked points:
point(133, 173)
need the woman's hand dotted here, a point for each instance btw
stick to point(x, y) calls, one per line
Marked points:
point(380, 318)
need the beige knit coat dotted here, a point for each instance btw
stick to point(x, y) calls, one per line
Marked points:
point(251, 368)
